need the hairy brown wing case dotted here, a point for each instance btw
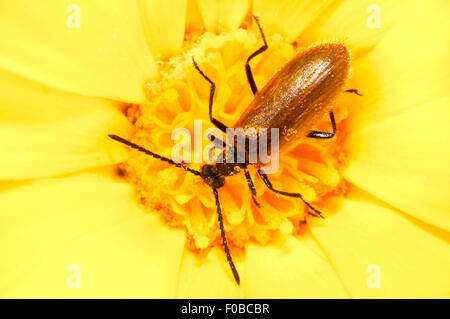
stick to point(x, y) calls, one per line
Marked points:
point(300, 93)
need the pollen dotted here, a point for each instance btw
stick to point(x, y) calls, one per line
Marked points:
point(178, 100)
point(288, 132)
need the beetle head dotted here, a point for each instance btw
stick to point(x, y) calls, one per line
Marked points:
point(211, 176)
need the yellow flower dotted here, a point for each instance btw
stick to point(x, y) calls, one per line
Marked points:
point(71, 227)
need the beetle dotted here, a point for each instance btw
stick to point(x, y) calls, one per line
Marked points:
point(295, 99)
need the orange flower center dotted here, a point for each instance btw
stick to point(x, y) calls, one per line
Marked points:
point(311, 167)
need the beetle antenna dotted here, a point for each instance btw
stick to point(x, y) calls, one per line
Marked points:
point(224, 239)
point(143, 150)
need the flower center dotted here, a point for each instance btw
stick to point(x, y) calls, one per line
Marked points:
point(310, 167)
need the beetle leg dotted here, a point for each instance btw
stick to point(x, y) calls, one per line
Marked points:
point(269, 186)
point(248, 70)
point(251, 185)
point(314, 214)
point(353, 91)
point(217, 123)
point(217, 145)
point(324, 135)
point(224, 238)
point(214, 138)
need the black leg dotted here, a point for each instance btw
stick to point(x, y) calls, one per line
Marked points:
point(214, 138)
point(269, 186)
point(217, 141)
point(248, 70)
point(224, 239)
point(217, 123)
point(355, 91)
point(324, 135)
point(314, 214)
point(143, 150)
point(251, 185)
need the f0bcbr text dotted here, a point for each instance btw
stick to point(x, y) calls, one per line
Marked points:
point(246, 308)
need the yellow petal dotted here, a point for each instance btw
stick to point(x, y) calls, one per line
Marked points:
point(408, 67)
point(371, 246)
point(47, 132)
point(358, 24)
point(209, 276)
point(290, 268)
point(85, 230)
point(193, 17)
point(219, 15)
point(286, 17)
point(89, 48)
point(164, 23)
point(404, 161)
point(396, 153)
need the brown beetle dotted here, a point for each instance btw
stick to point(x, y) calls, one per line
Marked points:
point(294, 100)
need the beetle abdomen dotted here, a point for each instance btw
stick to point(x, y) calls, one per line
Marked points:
point(299, 94)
